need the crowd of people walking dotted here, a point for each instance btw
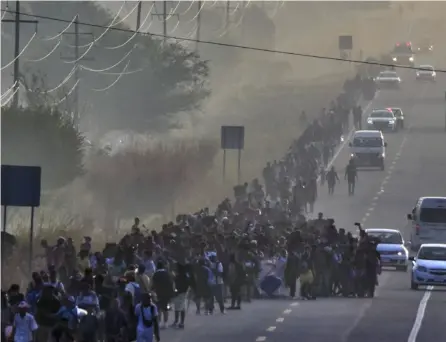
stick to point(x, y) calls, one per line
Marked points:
point(260, 244)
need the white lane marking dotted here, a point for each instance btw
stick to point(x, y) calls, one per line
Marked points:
point(271, 329)
point(287, 311)
point(294, 304)
point(261, 339)
point(280, 320)
point(420, 315)
point(384, 182)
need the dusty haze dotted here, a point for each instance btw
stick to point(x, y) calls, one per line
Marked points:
point(263, 91)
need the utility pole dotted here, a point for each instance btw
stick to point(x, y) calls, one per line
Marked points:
point(17, 21)
point(165, 20)
point(227, 9)
point(228, 14)
point(197, 35)
point(163, 15)
point(76, 34)
point(138, 17)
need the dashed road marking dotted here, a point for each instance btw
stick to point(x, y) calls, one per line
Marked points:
point(420, 315)
point(294, 304)
point(287, 311)
point(280, 320)
point(261, 339)
point(271, 329)
point(384, 182)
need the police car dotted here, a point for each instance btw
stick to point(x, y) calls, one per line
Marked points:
point(382, 120)
point(403, 54)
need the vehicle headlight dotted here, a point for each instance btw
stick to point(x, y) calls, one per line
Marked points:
point(391, 122)
point(394, 59)
point(401, 253)
point(352, 155)
point(418, 74)
point(411, 59)
point(421, 269)
point(369, 121)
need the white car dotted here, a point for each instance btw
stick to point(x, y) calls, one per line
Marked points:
point(429, 266)
point(391, 247)
point(426, 73)
point(382, 120)
point(388, 79)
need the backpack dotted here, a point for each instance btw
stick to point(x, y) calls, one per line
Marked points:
point(147, 323)
point(136, 293)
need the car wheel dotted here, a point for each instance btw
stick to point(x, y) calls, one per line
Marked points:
point(413, 285)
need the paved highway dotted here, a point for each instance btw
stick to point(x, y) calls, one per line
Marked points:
point(415, 166)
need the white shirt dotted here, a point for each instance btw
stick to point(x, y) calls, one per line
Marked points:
point(24, 327)
point(147, 315)
point(130, 287)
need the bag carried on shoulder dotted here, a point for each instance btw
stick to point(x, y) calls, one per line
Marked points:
point(148, 322)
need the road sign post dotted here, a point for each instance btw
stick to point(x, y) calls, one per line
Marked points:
point(233, 138)
point(21, 188)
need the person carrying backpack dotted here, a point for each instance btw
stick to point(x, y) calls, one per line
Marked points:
point(133, 287)
point(147, 318)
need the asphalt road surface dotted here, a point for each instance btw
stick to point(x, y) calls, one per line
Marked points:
point(415, 166)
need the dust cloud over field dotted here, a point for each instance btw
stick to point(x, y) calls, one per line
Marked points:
point(265, 91)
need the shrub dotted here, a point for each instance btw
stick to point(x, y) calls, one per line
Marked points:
point(142, 181)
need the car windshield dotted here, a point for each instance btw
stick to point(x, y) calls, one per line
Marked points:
point(381, 114)
point(402, 48)
point(386, 237)
point(432, 253)
point(388, 74)
point(433, 215)
point(368, 142)
point(426, 68)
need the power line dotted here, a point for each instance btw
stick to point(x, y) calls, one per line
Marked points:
point(76, 59)
point(235, 46)
point(17, 53)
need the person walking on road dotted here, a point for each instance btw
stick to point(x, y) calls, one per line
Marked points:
point(351, 175)
point(357, 117)
point(332, 178)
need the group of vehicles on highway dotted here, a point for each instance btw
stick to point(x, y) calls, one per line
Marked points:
point(428, 217)
point(368, 147)
point(428, 225)
point(403, 54)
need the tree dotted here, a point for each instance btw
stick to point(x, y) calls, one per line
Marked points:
point(173, 80)
point(43, 136)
